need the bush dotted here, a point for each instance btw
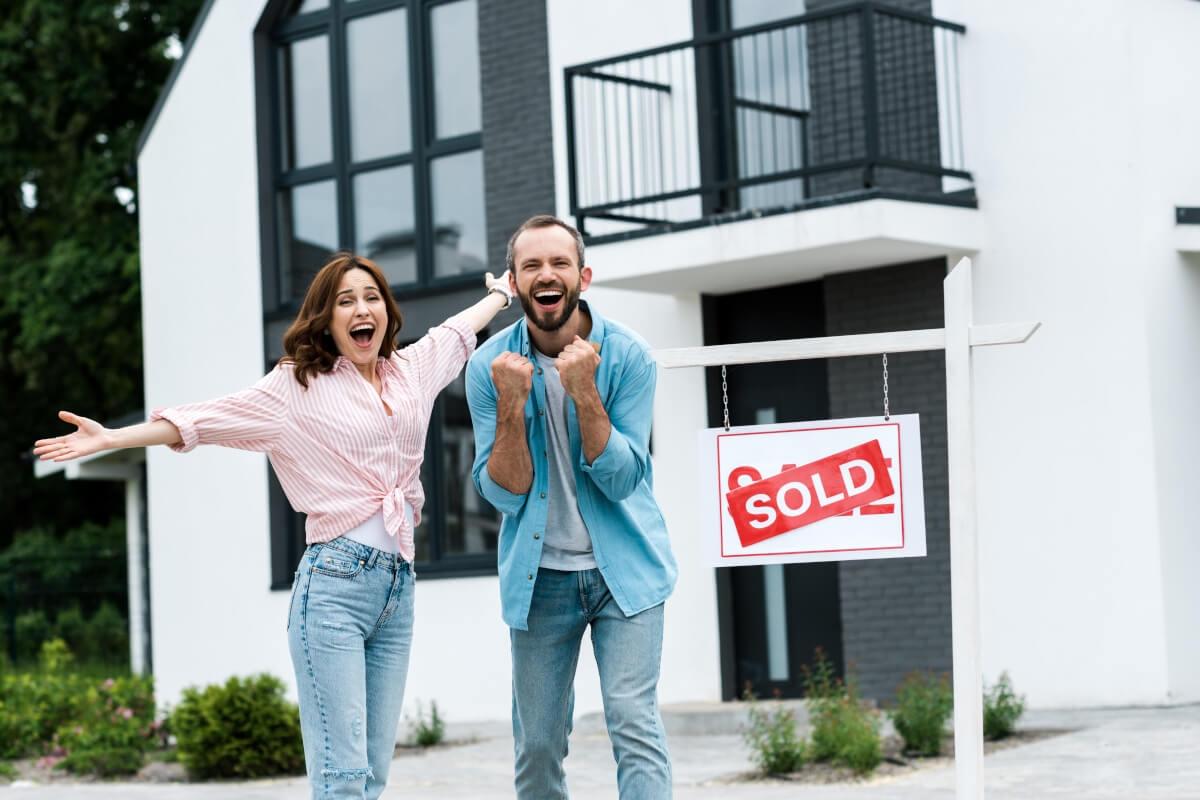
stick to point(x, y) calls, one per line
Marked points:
point(115, 729)
point(71, 627)
point(772, 740)
point(242, 729)
point(1001, 709)
point(427, 732)
point(923, 704)
point(82, 723)
point(844, 730)
point(34, 705)
point(107, 635)
point(7, 771)
point(31, 629)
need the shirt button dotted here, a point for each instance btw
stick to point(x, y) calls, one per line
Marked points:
point(537, 536)
point(541, 413)
point(529, 577)
point(543, 495)
point(539, 370)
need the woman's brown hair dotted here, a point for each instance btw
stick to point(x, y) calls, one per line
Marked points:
point(308, 343)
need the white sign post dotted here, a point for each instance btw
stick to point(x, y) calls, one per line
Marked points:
point(958, 339)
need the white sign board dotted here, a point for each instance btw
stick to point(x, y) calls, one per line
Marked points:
point(830, 490)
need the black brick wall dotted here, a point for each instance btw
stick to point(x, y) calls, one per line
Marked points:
point(907, 98)
point(895, 612)
point(518, 161)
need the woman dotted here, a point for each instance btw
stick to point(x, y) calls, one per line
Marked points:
point(343, 418)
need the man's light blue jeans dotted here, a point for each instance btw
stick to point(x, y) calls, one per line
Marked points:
point(628, 653)
point(349, 632)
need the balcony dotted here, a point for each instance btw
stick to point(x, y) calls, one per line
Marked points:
point(851, 104)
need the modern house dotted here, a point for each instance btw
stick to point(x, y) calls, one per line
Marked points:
point(744, 170)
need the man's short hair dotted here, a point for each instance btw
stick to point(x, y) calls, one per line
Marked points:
point(543, 221)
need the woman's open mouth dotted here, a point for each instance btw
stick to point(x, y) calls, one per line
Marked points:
point(362, 335)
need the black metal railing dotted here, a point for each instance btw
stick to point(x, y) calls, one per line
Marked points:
point(771, 117)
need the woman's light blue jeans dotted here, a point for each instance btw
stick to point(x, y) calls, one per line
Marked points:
point(349, 632)
point(628, 653)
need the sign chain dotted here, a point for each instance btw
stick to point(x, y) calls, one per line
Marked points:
point(725, 396)
point(886, 412)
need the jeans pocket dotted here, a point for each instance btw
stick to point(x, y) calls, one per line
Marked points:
point(337, 563)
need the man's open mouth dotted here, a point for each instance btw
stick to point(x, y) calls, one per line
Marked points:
point(362, 334)
point(547, 298)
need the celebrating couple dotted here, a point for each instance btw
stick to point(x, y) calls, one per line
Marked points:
point(561, 403)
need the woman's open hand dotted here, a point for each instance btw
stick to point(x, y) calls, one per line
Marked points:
point(89, 437)
point(497, 282)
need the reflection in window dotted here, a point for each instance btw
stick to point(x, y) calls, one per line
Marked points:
point(377, 52)
point(455, 68)
point(307, 134)
point(472, 526)
point(379, 150)
point(459, 229)
point(305, 6)
point(384, 221)
point(308, 234)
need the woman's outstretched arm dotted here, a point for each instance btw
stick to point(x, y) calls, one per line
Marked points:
point(92, 437)
point(498, 298)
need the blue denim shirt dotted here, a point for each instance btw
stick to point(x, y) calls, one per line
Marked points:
point(615, 491)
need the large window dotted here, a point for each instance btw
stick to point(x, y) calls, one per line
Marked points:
point(374, 145)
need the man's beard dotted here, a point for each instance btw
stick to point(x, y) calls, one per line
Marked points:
point(534, 313)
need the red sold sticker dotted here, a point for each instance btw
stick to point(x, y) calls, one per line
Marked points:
point(802, 495)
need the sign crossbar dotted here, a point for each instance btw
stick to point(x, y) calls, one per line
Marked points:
point(865, 344)
point(958, 339)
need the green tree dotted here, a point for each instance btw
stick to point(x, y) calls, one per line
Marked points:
point(78, 79)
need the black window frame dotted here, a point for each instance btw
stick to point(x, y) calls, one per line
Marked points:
point(277, 29)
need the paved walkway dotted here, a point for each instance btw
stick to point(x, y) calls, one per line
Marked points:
point(1124, 754)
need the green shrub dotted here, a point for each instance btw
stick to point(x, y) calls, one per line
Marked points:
point(34, 705)
point(114, 730)
point(7, 771)
point(772, 740)
point(107, 635)
point(923, 704)
point(427, 732)
point(88, 724)
point(242, 729)
point(1001, 709)
point(845, 731)
point(70, 626)
point(31, 629)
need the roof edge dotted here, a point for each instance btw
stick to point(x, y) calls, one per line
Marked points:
point(194, 34)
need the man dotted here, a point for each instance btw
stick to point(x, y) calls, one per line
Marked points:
point(562, 402)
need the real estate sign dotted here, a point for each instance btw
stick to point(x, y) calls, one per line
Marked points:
point(831, 490)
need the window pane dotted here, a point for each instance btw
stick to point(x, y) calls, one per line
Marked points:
point(472, 525)
point(459, 228)
point(305, 6)
point(755, 12)
point(308, 234)
point(307, 133)
point(380, 124)
point(455, 68)
point(384, 222)
point(421, 532)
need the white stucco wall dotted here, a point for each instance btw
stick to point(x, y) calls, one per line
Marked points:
point(1070, 427)
point(1079, 124)
point(580, 32)
point(1165, 63)
point(212, 614)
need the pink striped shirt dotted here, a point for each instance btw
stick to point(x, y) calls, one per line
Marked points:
point(337, 453)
